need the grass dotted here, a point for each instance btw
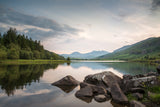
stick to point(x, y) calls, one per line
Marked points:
point(38, 61)
point(131, 97)
point(154, 89)
point(155, 97)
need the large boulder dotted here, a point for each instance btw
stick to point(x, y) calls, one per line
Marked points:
point(66, 81)
point(117, 94)
point(136, 104)
point(96, 79)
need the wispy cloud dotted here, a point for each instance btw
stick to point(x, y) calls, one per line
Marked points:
point(40, 27)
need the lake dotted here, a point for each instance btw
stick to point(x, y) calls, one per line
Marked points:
point(30, 85)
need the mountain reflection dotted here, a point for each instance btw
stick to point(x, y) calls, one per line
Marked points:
point(123, 67)
point(14, 77)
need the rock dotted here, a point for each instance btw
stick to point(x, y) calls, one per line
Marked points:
point(100, 98)
point(127, 77)
point(85, 92)
point(85, 99)
point(89, 90)
point(138, 96)
point(158, 69)
point(108, 97)
point(66, 81)
point(137, 82)
point(95, 89)
point(152, 74)
point(116, 92)
point(137, 90)
point(136, 104)
point(96, 79)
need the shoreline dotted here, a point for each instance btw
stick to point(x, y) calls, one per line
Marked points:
point(37, 61)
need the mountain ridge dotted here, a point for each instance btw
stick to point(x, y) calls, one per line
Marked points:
point(88, 55)
point(147, 49)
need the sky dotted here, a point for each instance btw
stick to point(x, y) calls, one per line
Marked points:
point(66, 26)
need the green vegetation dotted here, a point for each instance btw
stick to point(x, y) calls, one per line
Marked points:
point(155, 97)
point(38, 61)
point(16, 46)
point(146, 50)
point(131, 97)
point(155, 93)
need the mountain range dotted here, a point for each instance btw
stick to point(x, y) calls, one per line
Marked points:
point(148, 49)
point(89, 55)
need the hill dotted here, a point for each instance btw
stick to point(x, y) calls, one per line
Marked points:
point(17, 46)
point(89, 55)
point(148, 49)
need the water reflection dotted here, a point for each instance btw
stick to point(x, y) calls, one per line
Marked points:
point(14, 77)
point(36, 80)
point(122, 67)
point(66, 89)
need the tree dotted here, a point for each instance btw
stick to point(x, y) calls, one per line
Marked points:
point(3, 54)
point(13, 54)
point(68, 59)
point(36, 54)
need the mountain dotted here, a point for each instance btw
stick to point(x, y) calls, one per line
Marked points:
point(148, 49)
point(122, 48)
point(88, 55)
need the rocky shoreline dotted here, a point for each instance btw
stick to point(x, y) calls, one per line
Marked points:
point(131, 91)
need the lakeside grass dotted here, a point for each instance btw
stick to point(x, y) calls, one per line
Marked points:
point(37, 61)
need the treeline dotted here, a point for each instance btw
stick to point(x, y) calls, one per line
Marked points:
point(17, 46)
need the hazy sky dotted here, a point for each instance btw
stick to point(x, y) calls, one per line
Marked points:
point(65, 26)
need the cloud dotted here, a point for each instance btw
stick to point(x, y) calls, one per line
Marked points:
point(155, 4)
point(39, 26)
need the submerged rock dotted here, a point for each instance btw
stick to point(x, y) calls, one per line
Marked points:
point(66, 81)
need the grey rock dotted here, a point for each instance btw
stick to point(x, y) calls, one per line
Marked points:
point(84, 92)
point(138, 96)
point(66, 81)
point(137, 90)
point(152, 74)
point(127, 77)
point(136, 104)
point(90, 90)
point(117, 94)
point(96, 79)
point(100, 98)
point(137, 82)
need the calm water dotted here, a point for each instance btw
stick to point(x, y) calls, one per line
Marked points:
point(30, 85)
